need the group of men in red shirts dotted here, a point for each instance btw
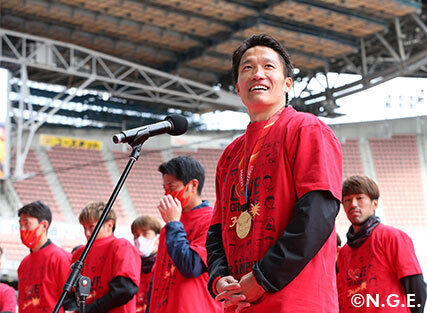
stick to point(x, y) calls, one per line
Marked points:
point(243, 255)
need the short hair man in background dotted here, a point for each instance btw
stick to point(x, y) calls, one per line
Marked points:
point(378, 260)
point(113, 265)
point(180, 277)
point(42, 273)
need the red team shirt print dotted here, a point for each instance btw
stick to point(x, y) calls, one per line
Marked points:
point(173, 293)
point(377, 265)
point(108, 258)
point(42, 275)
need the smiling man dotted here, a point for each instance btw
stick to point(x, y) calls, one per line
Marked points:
point(378, 260)
point(280, 258)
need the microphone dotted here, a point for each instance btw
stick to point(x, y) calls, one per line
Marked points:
point(174, 125)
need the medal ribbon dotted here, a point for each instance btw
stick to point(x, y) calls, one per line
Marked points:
point(242, 186)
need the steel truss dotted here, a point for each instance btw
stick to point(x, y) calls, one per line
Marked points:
point(88, 69)
point(397, 54)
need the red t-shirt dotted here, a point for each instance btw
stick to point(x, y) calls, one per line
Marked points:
point(41, 277)
point(141, 296)
point(7, 298)
point(375, 268)
point(173, 293)
point(110, 257)
point(299, 154)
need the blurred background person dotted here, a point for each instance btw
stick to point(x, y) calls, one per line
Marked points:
point(145, 230)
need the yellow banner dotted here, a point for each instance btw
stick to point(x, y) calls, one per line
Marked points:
point(52, 141)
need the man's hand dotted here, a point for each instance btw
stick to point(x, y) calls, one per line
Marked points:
point(229, 290)
point(170, 209)
point(250, 288)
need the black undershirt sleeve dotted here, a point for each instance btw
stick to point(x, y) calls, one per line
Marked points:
point(303, 237)
point(122, 290)
point(217, 261)
point(415, 286)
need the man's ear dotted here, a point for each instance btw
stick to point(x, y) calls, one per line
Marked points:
point(237, 88)
point(45, 224)
point(288, 84)
point(194, 183)
point(375, 202)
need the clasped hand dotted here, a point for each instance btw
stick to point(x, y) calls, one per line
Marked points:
point(240, 293)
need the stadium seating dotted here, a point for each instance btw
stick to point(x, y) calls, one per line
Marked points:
point(84, 178)
point(13, 249)
point(36, 187)
point(398, 174)
point(352, 161)
point(144, 182)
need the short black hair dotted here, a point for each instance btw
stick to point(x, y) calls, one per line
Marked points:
point(261, 40)
point(185, 169)
point(38, 210)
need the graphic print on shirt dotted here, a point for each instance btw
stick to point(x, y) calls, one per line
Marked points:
point(261, 204)
point(361, 276)
point(32, 295)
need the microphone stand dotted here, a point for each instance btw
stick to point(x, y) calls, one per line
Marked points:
point(76, 267)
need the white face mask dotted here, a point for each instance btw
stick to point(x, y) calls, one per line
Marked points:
point(145, 246)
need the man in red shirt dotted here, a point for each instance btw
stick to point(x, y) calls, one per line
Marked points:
point(113, 265)
point(272, 244)
point(378, 261)
point(42, 273)
point(145, 230)
point(7, 295)
point(180, 276)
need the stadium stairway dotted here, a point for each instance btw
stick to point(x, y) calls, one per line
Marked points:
point(367, 159)
point(55, 185)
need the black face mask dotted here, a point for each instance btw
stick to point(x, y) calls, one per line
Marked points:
point(356, 240)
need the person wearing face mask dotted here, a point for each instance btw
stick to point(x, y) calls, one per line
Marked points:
point(42, 273)
point(113, 265)
point(145, 230)
point(180, 277)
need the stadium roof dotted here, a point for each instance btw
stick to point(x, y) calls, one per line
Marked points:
point(376, 39)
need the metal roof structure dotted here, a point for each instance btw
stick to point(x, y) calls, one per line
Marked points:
point(151, 56)
point(187, 39)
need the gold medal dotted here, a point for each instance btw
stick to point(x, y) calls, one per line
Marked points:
point(243, 225)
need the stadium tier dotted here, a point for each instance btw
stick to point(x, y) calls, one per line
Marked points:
point(144, 182)
point(84, 178)
point(398, 169)
point(35, 186)
point(352, 161)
